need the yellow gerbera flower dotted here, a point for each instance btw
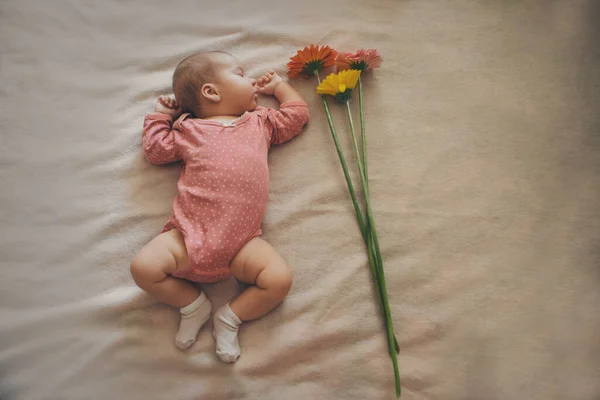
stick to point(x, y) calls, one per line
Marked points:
point(340, 84)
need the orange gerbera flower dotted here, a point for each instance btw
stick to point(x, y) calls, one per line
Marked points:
point(311, 59)
point(362, 60)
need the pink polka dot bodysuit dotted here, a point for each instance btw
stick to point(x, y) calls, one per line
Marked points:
point(223, 188)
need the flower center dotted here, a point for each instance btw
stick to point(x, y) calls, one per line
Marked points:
point(360, 65)
point(343, 97)
point(342, 87)
point(312, 66)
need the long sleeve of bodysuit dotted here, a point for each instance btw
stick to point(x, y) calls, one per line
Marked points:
point(159, 139)
point(287, 122)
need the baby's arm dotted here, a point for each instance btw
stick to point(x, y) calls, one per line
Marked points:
point(158, 137)
point(273, 84)
point(287, 122)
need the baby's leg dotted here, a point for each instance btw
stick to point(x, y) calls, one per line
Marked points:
point(260, 265)
point(154, 263)
point(151, 269)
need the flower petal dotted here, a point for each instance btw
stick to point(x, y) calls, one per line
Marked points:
point(310, 59)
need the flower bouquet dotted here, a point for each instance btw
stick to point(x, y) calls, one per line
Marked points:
point(309, 62)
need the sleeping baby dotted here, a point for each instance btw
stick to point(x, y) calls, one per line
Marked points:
point(222, 137)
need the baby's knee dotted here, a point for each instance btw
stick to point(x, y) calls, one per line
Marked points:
point(283, 281)
point(140, 268)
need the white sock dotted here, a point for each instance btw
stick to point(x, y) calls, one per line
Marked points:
point(193, 317)
point(226, 326)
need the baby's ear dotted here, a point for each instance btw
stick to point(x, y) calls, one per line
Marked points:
point(210, 92)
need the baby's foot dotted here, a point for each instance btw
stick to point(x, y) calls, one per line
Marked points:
point(226, 326)
point(193, 317)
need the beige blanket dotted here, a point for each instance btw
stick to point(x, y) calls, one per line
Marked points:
point(484, 157)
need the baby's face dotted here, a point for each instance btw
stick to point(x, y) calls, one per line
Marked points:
point(238, 91)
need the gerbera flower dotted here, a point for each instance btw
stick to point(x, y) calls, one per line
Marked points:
point(362, 60)
point(311, 59)
point(339, 84)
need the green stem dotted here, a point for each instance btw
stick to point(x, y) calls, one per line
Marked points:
point(362, 133)
point(371, 222)
point(364, 153)
point(336, 141)
point(368, 237)
point(363, 226)
point(365, 167)
point(364, 231)
point(371, 253)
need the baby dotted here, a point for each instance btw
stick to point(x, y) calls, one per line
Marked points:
point(215, 127)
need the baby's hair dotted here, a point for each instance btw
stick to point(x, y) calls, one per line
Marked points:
point(189, 77)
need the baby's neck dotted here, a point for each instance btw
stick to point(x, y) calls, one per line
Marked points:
point(226, 120)
point(222, 117)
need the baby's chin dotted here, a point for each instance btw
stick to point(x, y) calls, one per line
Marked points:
point(252, 106)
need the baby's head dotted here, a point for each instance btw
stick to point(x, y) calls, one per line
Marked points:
point(213, 83)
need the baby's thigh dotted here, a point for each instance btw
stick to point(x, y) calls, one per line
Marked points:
point(256, 257)
point(165, 253)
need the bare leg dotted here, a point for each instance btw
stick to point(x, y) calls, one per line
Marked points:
point(260, 265)
point(154, 263)
point(151, 269)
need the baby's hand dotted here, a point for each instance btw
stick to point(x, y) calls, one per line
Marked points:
point(267, 83)
point(167, 105)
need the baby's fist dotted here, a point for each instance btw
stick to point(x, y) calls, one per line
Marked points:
point(167, 105)
point(267, 83)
